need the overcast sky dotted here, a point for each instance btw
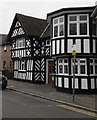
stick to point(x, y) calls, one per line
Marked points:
point(35, 8)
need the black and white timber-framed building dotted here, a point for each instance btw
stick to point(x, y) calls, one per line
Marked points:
point(74, 26)
point(29, 49)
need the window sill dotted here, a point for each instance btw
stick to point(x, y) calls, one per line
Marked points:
point(62, 74)
point(57, 37)
point(80, 75)
point(22, 70)
point(78, 35)
point(93, 75)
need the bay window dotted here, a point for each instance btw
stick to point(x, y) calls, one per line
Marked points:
point(78, 25)
point(58, 26)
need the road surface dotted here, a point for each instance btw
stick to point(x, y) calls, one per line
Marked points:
point(18, 105)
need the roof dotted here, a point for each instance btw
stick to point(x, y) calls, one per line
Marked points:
point(72, 8)
point(46, 32)
point(69, 11)
point(31, 25)
point(94, 13)
point(3, 39)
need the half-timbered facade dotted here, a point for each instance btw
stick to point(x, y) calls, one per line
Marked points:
point(29, 50)
point(74, 26)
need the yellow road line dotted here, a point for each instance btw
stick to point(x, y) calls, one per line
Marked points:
point(78, 110)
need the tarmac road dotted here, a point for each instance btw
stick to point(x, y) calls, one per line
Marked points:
point(18, 105)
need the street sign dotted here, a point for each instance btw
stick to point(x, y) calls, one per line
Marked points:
point(73, 52)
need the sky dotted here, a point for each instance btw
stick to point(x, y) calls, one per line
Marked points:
point(34, 8)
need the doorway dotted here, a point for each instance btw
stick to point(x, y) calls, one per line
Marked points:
point(50, 70)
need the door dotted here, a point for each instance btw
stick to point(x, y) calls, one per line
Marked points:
point(50, 70)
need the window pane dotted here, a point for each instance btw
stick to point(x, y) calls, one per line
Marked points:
point(60, 68)
point(82, 69)
point(95, 60)
point(48, 42)
point(61, 20)
point(55, 31)
point(83, 28)
point(65, 61)
point(65, 69)
point(76, 69)
point(83, 18)
point(95, 69)
point(55, 21)
point(82, 61)
point(72, 18)
point(61, 30)
point(60, 61)
point(94, 27)
point(91, 69)
point(91, 60)
point(73, 29)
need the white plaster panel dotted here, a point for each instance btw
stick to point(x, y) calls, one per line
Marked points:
point(86, 46)
point(76, 83)
point(84, 84)
point(58, 47)
point(59, 82)
point(78, 45)
point(70, 43)
point(66, 83)
point(92, 84)
point(62, 46)
point(53, 47)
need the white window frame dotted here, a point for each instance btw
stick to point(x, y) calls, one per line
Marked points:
point(58, 24)
point(78, 65)
point(63, 66)
point(22, 64)
point(78, 24)
point(20, 41)
point(93, 64)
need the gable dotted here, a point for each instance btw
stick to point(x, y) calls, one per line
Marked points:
point(18, 30)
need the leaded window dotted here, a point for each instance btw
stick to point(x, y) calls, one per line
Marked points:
point(22, 65)
point(58, 26)
point(78, 25)
point(20, 43)
point(63, 66)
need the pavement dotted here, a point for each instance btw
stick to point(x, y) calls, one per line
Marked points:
point(45, 91)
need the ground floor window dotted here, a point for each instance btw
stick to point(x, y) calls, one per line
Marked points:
point(22, 65)
point(80, 66)
point(63, 66)
point(93, 66)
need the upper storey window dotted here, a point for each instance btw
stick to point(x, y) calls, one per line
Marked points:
point(58, 27)
point(94, 27)
point(78, 25)
point(20, 43)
